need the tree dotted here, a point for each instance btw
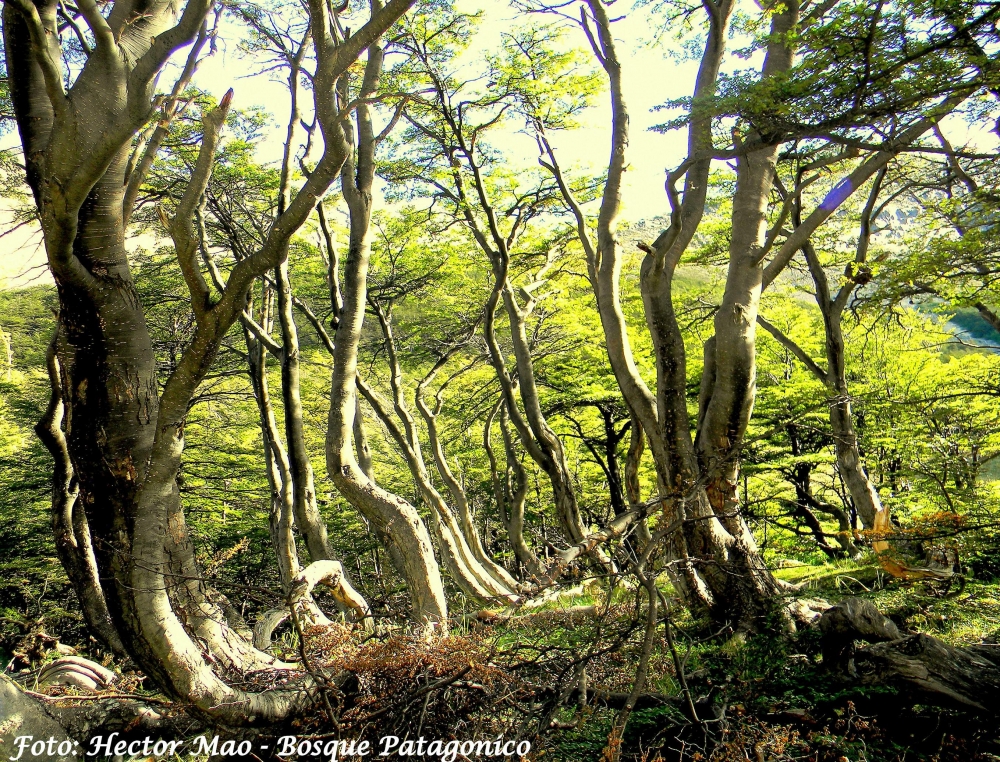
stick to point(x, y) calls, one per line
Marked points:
point(397, 522)
point(447, 154)
point(714, 557)
point(124, 437)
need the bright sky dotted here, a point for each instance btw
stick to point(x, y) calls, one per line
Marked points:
point(650, 79)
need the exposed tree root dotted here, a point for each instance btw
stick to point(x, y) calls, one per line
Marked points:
point(77, 671)
point(329, 573)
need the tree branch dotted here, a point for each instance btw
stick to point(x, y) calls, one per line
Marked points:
point(181, 227)
point(794, 348)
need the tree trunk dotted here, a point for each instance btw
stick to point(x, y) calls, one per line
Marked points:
point(124, 443)
point(633, 491)
point(281, 513)
point(740, 588)
point(921, 668)
point(69, 522)
point(553, 460)
point(864, 494)
point(465, 570)
point(395, 519)
point(458, 496)
point(712, 557)
point(307, 515)
point(510, 490)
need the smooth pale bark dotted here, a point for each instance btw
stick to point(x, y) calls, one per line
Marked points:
point(148, 145)
point(510, 489)
point(455, 489)
point(307, 515)
point(554, 461)
point(534, 433)
point(698, 480)
point(715, 567)
point(303, 608)
point(464, 568)
point(467, 572)
point(394, 518)
point(365, 462)
point(362, 451)
point(604, 266)
point(281, 513)
point(864, 494)
point(175, 664)
point(170, 599)
point(257, 337)
point(729, 385)
point(124, 443)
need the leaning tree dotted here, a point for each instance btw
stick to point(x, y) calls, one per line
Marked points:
point(116, 432)
point(859, 87)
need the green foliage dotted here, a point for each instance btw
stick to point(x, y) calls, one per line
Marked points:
point(460, 184)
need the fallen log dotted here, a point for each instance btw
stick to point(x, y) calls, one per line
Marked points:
point(851, 620)
point(922, 668)
point(930, 671)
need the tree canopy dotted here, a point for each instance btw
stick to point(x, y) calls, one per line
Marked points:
point(399, 399)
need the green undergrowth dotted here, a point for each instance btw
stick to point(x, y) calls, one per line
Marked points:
point(965, 611)
point(777, 697)
point(777, 694)
point(780, 704)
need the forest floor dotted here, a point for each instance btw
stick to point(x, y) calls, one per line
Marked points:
point(768, 698)
point(782, 704)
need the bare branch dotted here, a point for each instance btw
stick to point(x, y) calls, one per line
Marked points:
point(794, 348)
point(181, 227)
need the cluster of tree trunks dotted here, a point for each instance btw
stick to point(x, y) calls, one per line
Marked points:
point(116, 430)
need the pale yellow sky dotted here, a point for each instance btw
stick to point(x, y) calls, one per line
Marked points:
point(650, 78)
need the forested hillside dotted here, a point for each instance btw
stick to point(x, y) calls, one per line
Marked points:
point(385, 410)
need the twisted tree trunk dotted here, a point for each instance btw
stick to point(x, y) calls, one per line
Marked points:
point(69, 521)
point(279, 478)
point(458, 495)
point(124, 440)
point(510, 489)
point(396, 521)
